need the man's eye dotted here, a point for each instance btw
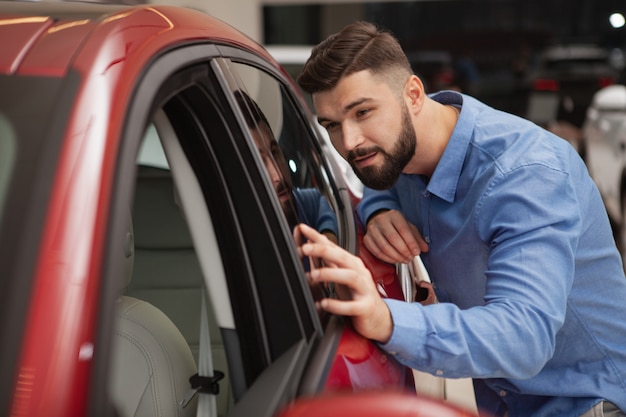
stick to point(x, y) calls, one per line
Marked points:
point(332, 126)
point(362, 112)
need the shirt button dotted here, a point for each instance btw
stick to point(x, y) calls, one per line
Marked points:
point(502, 393)
point(439, 372)
point(427, 239)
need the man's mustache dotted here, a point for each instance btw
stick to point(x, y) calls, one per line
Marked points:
point(359, 152)
point(282, 187)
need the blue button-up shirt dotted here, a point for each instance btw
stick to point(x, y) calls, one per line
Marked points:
point(531, 287)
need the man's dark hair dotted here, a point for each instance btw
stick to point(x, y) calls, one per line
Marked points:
point(357, 47)
point(251, 110)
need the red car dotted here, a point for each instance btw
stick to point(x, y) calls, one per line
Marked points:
point(153, 161)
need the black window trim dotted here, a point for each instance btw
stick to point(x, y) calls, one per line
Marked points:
point(346, 216)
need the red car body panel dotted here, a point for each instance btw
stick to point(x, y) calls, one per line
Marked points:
point(358, 360)
point(109, 55)
point(360, 365)
point(373, 404)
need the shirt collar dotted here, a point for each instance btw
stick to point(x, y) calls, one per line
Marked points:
point(445, 179)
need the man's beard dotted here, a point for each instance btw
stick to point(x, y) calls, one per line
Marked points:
point(385, 176)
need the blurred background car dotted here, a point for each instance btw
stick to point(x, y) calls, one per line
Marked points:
point(565, 80)
point(604, 135)
point(153, 162)
point(435, 68)
point(564, 83)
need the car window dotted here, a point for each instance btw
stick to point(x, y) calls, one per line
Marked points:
point(264, 102)
point(292, 160)
point(206, 217)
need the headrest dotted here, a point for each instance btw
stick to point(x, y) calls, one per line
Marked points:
point(157, 218)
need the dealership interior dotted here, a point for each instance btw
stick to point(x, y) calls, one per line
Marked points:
point(230, 161)
point(501, 42)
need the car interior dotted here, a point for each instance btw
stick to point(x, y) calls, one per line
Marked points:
point(159, 314)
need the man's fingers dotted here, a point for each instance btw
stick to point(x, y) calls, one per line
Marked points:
point(391, 238)
point(386, 252)
point(310, 233)
point(422, 246)
point(361, 301)
point(339, 307)
point(319, 246)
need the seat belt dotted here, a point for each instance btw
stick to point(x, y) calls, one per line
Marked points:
point(206, 381)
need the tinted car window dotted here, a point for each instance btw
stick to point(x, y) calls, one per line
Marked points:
point(267, 289)
point(291, 157)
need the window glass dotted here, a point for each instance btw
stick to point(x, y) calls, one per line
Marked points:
point(256, 261)
point(151, 153)
point(291, 159)
point(259, 311)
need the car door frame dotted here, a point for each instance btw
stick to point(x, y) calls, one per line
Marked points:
point(139, 111)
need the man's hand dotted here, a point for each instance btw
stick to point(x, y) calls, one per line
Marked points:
point(370, 315)
point(391, 238)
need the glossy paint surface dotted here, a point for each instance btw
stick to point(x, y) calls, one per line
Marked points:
point(108, 57)
point(360, 364)
point(372, 404)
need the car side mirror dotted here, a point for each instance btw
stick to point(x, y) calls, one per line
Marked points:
point(372, 404)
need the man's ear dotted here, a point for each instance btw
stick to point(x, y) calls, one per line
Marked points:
point(414, 93)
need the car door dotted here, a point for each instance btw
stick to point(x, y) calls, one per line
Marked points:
point(249, 269)
point(277, 346)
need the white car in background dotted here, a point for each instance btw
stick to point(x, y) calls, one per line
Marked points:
point(604, 133)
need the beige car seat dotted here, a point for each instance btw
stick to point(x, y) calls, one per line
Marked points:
point(152, 362)
point(167, 272)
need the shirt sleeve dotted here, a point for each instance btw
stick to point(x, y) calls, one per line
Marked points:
point(314, 210)
point(529, 220)
point(374, 200)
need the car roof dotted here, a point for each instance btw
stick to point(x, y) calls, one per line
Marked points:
point(47, 38)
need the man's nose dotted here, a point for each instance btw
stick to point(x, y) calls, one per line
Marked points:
point(275, 175)
point(352, 136)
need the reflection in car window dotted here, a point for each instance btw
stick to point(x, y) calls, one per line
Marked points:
point(306, 205)
point(292, 161)
point(293, 165)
